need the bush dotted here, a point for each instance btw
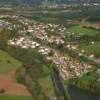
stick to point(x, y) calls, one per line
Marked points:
point(2, 91)
point(8, 61)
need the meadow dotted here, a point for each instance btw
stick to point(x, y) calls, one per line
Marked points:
point(48, 89)
point(3, 97)
point(83, 31)
point(8, 63)
point(92, 48)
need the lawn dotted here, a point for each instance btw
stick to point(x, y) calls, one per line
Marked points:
point(7, 63)
point(82, 31)
point(92, 48)
point(3, 97)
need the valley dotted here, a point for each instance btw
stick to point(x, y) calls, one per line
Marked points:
point(44, 51)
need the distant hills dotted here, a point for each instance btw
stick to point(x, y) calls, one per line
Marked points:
point(34, 2)
point(21, 2)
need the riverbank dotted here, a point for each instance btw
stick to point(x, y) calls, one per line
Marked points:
point(86, 84)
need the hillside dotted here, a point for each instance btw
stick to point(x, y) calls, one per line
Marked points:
point(36, 2)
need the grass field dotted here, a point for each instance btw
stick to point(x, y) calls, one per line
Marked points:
point(7, 63)
point(81, 31)
point(3, 97)
point(92, 48)
point(47, 86)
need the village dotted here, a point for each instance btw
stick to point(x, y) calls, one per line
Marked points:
point(49, 51)
point(36, 35)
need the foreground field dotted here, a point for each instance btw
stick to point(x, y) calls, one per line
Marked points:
point(8, 83)
point(7, 63)
point(48, 89)
point(3, 97)
point(10, 86)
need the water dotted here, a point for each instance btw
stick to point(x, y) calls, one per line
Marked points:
point(77, 94)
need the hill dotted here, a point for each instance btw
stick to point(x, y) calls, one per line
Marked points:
point(37, 2)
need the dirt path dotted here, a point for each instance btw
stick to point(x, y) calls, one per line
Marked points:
point(11, 87)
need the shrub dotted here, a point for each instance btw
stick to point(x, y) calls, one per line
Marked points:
point(2, 91)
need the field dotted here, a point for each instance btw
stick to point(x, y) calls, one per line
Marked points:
point(48, 89)
point(95, 25)
point(10, 86)
point(93, 35)
point(8, 83)
point(7, 63)
point(3, 97)
point(83, 31)
point(92, 48)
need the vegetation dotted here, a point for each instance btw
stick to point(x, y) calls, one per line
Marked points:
point(91, 48)
point(48, 88)
point(93, 19)
point(5, 35)
point(89, 82)
point(35, 73)
point(3, 97)
point(8, 63)
point(83, 31)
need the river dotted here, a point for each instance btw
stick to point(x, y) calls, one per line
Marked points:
point(77, 94)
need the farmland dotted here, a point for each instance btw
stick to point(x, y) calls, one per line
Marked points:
point(83, 31)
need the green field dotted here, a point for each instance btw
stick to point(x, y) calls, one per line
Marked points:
point(83, 31)
point(47, 86)
point(7, 63)
point(3, 97)
point(92, 48)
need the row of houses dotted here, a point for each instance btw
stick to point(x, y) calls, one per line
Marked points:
point(69, 67)
point(5, 23)
point(26, 43)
